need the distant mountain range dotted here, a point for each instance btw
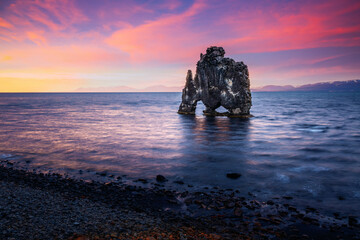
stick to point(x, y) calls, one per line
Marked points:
point(338, 86)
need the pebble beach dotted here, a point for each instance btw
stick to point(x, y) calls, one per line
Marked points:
point(51, 206)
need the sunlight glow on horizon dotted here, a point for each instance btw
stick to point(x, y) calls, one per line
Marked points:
point(53, 45)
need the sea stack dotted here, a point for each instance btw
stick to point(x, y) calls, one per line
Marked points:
point(218, 81)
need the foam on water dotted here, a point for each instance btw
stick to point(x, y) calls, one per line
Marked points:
point(6, 156)
point(309, 168)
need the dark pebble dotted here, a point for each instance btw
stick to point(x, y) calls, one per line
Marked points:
point(310, 209)
point(233, 175)
point(142, 180)
point(161, 178)
point(270, 202)
point(179, 182)
point(288, 197)
point(352, 221)
point(291, 208)
point(172, 201)
point(238, 212)
point(103, 174)
point(341, 198)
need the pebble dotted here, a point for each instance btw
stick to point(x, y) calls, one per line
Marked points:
point(352, 221)
point(161, 178)
point(287, 197)
point(233, 175)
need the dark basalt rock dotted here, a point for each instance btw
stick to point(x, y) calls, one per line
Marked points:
point(233, 175)
point(161, 178)
point(218, 81)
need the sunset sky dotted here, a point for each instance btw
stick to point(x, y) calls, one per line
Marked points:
point(66, 45)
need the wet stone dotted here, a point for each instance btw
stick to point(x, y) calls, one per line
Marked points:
point(161, 178)
point(341, 198)
point(352, 221)
point(287, 197)
point(233, 175)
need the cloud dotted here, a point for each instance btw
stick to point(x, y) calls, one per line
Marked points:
point(6, 58)
point(36, 38)
point(74, 56)
point(26, 19)
point(5, 24)
point(171, 4)
point(168, 38)
point(294, 25)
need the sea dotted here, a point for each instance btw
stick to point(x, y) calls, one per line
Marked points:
point(300, 144)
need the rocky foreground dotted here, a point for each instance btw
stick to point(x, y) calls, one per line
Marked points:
point(39, 206)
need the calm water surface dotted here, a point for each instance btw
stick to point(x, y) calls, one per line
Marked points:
point(302, 144)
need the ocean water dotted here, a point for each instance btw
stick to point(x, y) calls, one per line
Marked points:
point(302, 144)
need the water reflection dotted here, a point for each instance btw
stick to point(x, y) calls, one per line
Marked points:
point(213, 147)
point(214, 129)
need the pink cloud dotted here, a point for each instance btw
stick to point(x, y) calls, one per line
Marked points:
point(72, 57)
point(171, 4)
point(167, 38)
point(27, 18)
point(178, 37)
point(276, 29)
point(5, 24)
point(36, 38)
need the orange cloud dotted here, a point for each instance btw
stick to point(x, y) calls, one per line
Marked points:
point(75, 56)
point(5, 24)
point(6, 58)
point(36, 38)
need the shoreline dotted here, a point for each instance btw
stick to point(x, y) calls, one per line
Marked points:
point(50, 206)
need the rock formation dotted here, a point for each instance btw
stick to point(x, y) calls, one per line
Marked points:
point(218, 81)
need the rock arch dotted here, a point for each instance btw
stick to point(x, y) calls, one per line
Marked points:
point(218, 81)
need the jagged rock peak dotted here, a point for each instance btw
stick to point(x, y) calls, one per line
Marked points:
point(218, 81)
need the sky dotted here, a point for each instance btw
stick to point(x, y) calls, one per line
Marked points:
point(92, 45)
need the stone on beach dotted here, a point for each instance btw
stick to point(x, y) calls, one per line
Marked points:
point(218, 81)
point(233, 175)
point(161, 178)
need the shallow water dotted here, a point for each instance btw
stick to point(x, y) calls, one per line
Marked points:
point(306, 145)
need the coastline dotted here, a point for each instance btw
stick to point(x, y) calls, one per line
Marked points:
point(50, 206)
